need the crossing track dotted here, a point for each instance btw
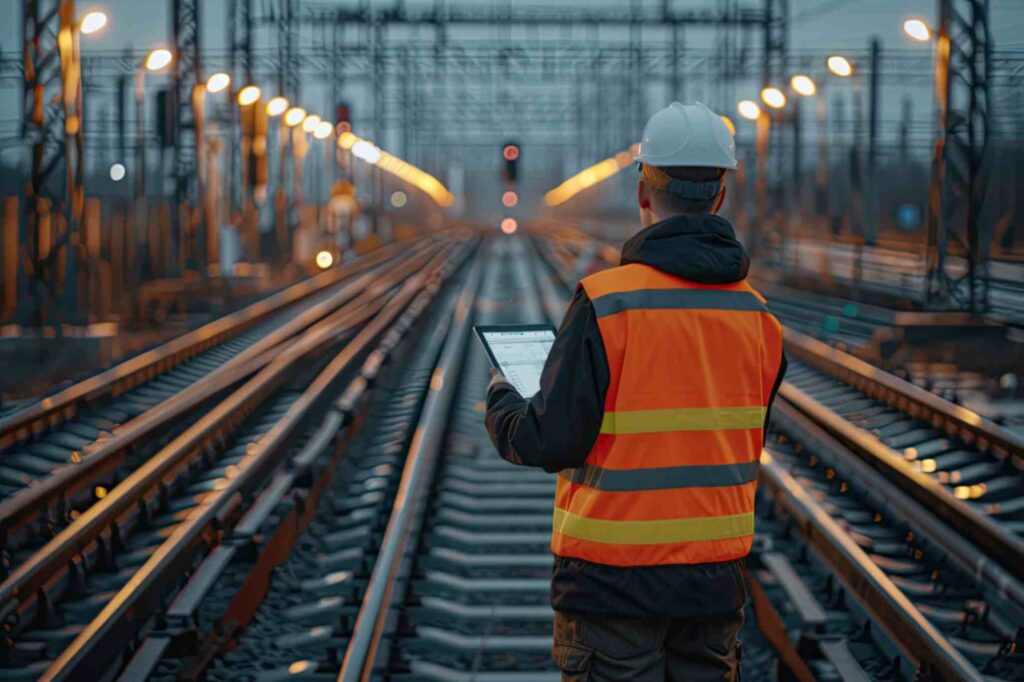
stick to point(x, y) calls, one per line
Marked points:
point(82, 601)
point(61, 454)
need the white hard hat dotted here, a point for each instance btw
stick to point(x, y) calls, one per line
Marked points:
point(687, 135)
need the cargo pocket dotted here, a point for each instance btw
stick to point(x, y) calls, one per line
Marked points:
point(573, 661)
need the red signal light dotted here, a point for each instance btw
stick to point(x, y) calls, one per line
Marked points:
point(509, 199)
point(509, 225)
point(510, 152)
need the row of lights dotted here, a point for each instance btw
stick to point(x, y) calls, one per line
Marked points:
point(588, 177)
point(838, 65)
point(389, 163)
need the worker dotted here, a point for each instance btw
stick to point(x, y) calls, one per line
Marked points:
point(653, 407)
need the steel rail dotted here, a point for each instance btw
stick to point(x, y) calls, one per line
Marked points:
point(142, 486)
point(53, 493)
point(928, 528)
point(412, 491)
point(304, 481)
point(904, 623)
point(998, 544)
point(955, 420)
point(56, 408)
point(99, 644)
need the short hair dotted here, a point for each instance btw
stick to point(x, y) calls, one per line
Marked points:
point(673, 204)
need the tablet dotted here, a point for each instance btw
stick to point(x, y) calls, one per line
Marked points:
point(518, 351)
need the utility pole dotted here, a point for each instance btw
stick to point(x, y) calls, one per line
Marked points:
point(55, 195)
point(186, 220)
point(962, 92)
point(872, 213)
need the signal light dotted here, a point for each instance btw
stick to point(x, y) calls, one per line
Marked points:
point(509, 226)
point(510, 152)
point(509, 199)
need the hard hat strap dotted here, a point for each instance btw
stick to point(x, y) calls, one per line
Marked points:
point(695, 191)
point(692, 190)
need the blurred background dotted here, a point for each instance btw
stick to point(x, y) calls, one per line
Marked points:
point(165, 161)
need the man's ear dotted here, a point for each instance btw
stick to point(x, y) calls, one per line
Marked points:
point(721, 200)
point(643, 198)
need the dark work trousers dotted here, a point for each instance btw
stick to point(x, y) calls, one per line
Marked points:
point(593, 648)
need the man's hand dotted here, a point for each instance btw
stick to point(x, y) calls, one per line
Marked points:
point(498, 381)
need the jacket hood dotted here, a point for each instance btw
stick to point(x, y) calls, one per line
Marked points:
point(699, 248)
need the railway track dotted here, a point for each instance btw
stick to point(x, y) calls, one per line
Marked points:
point(61, 454)
point(349, 520)
point(81, 602)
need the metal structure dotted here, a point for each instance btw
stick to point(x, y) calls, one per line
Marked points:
point(963, 64)
point(188, 104)
point(432, 81)
point(52, 124)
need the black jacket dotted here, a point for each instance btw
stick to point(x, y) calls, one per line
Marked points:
point(556, 429)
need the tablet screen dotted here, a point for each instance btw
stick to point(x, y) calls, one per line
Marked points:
point(520, 355)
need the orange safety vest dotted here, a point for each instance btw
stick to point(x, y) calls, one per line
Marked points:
point(672, 475)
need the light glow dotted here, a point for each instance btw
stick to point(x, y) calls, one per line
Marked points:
point(509, 199)
point(917, 29)
point(158, 59)
point(773, 97)
point(117, 172)
point(389, 163)
point(803, 85)
point(840, 66)
point(294, 116)
point(588, 177)
point(276, 106)
point(92, 22)
point(324, 259)
point(367, 151)
point(217, 82)
point(323, 130)
point(250, 94)
point(398, 199)
point(310, 123)
point(509, 226)
point(749, 109)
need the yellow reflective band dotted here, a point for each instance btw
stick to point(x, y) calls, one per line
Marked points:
point(653, 532)
point(683, 419)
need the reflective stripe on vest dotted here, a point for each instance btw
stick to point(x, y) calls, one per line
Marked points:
point(663, 478)
point(686, 419)
point(672, 476)
point(654, 532)
point(677, 299)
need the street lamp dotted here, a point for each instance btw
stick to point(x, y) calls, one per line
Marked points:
point(218, 82)
point(803, 85)
point(92, 22)
point(294, 116)
point(773, 97)
point(839, 66)
point(158, 59)
point(248, 95)
point(917, 29)
point(749, 109)
point(276, 106)
point(323, 130)
point(310, 123)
